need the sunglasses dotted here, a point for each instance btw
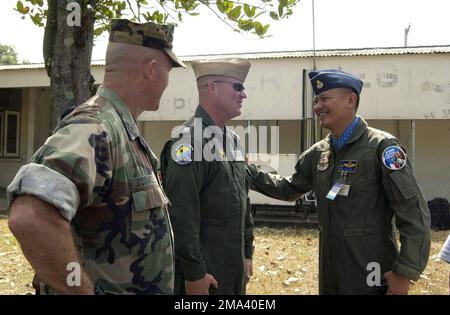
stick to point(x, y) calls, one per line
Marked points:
point(238, 87)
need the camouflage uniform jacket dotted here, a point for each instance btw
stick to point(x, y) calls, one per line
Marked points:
point(356, 230)
point(210, 209)
point(99, 172)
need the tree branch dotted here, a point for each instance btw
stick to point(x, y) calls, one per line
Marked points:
point(220, 18)
point(134, 13)
point(165, 10)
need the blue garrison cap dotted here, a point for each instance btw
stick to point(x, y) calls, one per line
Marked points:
point(327, 79)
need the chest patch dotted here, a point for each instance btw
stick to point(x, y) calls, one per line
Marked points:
point(348, 166)
point(324, 161)
point(394, 158)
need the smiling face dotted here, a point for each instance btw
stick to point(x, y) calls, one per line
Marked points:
point(335, 109)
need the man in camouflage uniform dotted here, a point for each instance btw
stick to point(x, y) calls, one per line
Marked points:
point(205, 179)
point(95, 177)
point(362, 178)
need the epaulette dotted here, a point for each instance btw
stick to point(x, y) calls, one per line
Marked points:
point(387, 135)
point(180, 130)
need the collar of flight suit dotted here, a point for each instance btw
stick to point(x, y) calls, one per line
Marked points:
point(122, 110)
point(357, 133)
point(200, 112)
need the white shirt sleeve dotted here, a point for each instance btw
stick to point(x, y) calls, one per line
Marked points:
point(445, 251)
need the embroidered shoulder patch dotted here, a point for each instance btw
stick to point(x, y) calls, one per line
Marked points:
point(183, 154)
point(394, 158)
point(324, 161)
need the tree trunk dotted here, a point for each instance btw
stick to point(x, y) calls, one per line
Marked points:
point(67, 55)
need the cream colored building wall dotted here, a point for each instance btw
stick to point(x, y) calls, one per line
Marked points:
point(156, 133)
point(270, 84)
point(409, 86)
point(433, 158)
point(400, 86)
point(9, 167)
point(290, 136)
point(413, 86)
point(24, 78)
point(36, 77)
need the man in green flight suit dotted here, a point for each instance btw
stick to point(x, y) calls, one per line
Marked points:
point(88, 210)
point(362, 178)
point(204, 174)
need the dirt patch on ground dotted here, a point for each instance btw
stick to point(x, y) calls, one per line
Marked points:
point(285, 262)
point(15, 271)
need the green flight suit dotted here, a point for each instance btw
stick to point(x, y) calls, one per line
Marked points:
point(357, 229)
point(212, 223)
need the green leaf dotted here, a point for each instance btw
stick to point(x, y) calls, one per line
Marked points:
point(36, 19)
point(248, 11)
point(235, 13)
point(259, 29)
point(274, 15)
point(280, 10)
point(228, 5)
point(220, 6)
point(19, 6)
point(245, 25)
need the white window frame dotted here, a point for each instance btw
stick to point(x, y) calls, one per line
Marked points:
point(5, 146)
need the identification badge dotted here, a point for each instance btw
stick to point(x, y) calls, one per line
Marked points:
point(344, 190)
point(334, 190)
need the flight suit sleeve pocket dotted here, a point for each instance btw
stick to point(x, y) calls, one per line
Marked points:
point(405, 184)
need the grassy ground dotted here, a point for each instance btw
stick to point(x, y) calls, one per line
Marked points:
point(285, 262)
point(15, 272)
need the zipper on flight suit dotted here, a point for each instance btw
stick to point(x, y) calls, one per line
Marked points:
point(342, 178)
point(332, 227)
point(235, 177)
